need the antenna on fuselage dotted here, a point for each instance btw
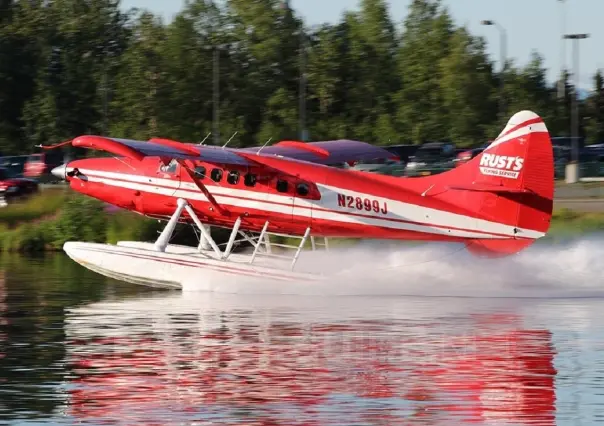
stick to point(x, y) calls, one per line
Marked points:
point(204, 139)
point(265, 144)
point(122, 161)
point(230, 139)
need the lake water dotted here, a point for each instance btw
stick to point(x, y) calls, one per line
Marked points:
point(79, 348)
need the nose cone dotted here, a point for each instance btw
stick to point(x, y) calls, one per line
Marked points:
point(60, 171)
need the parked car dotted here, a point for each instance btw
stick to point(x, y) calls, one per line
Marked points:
point(388, 166)
point(465, 155)
point(382, 166)
point(431, 158)
point(567, 142)
point(11, 187)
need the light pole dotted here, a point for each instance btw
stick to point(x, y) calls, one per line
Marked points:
point(575, 100)
point(503, 60)
point(561, 83)
point(216, 90)
point(302, 89)
point(216, 96)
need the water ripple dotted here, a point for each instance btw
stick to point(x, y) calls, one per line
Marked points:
point(77, 348)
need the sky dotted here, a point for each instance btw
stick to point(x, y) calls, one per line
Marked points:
point(529, 25)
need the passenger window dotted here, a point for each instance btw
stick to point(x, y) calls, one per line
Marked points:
point(249, 179)
point(170, 168)
point(233, 177)
point(200, 172)
point(216, 175)
point(282, 185)
point(302, 189)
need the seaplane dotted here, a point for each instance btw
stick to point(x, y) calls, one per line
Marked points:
point(496, 204)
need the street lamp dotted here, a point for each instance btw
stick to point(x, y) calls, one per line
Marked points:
point(575, 99)
point(216, 100)
point(215, 90)
point(561, 83)
point(503, 53)
point(302, 89)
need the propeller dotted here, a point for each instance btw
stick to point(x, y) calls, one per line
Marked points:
point(57, 145)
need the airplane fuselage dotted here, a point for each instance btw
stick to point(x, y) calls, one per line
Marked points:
point(291, 195)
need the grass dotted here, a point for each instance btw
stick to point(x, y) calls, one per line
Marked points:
point(49, 219)
point(566, 222)
point(46, 203)
point(46, 220)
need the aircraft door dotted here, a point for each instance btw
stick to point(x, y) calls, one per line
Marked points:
point(284, 190)
point(306, 197)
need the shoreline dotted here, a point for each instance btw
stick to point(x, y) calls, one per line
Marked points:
point(44, 222)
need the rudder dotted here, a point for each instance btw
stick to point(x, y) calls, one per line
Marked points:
point(512, 182)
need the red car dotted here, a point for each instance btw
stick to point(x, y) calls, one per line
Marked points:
point(12, 186)
point(38, 166)
point(465, 156)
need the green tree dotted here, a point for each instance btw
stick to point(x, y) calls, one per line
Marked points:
point(141, 84)
point(595, 111)
point(73, 40)
point(467, 86)
point(372, 52)
point(559, 124)
point(267, 34)
point(22, 31)
point(69, 67)
point(424, 43)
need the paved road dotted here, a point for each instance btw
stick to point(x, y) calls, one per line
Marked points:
point(582, 205)
point(580, 190)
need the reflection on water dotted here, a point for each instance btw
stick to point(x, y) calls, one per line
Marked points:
point(211, 357)
point(77, 347)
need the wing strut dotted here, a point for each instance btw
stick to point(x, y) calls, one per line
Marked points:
point(203, 189)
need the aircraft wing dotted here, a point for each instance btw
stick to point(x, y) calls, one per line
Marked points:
point(157, 147)
point(325, 152)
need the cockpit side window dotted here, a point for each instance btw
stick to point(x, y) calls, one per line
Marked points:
point(170, 168)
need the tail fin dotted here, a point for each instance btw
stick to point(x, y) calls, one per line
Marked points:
point(511, 182)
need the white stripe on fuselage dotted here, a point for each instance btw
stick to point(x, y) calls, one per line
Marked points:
point(428, 220)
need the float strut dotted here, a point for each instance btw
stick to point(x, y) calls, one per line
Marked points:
point(229, 246)
point(203, 241)
point(260, 238)
point(203, 230)
point(300, 247)
point(166, 234)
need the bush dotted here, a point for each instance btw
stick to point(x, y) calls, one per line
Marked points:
point(128, 226)
point(81, 219)
point(46, 221)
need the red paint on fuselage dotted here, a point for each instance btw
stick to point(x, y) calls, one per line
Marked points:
point(499, 201)
point(162, 206)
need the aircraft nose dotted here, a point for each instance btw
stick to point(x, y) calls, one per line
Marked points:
point(60, 171)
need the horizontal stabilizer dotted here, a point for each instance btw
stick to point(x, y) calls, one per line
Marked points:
point(482, 187)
